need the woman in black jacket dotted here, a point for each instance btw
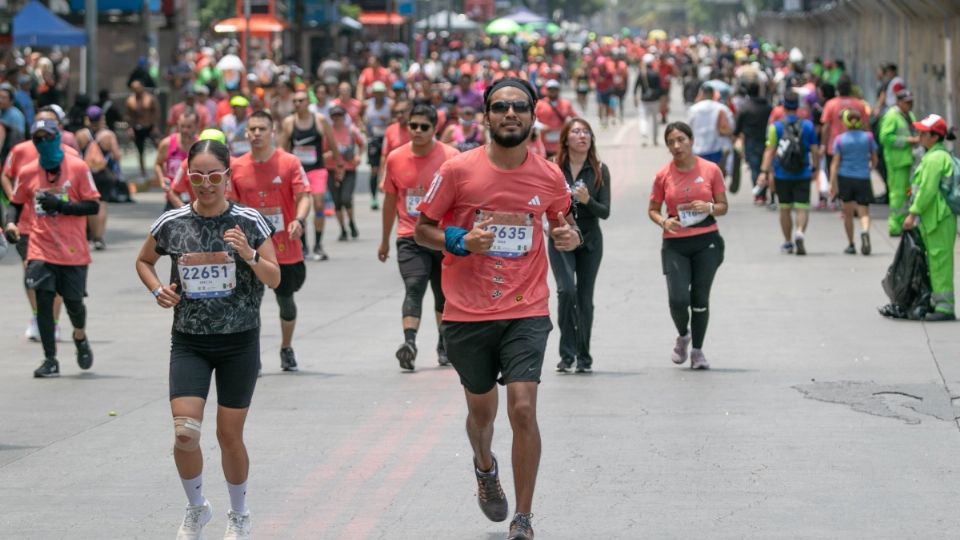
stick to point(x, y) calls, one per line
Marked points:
point(576, 271)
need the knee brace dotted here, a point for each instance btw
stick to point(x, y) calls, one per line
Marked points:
point(416, 287)
point(288, 308)
point(77, 312)
point(187, 431)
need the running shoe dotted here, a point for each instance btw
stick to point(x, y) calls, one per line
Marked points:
point(343, 236)
point(697, 360)
point(938, 316)
point(84, 353)
point(865, 247)
point(584, 369)
point(787, 248)
point(584, 364)
point(374, 205)
point(33, 331)
point(99, 244)
point(238, 526)
point(407, 354)
point(520, 527)
point(564, 365)
point(759, 200)
point(194, 518)
point(288, 360)
point(851, 250)
point(354, 233)
point(319, 254)
point(801, 249)
point(679, 355)
point(442, 358)
point(493, 503)
point(49, 368)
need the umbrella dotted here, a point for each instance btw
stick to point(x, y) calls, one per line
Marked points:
point(546, 27)
point(230, 62)
point(657, 35)
point(503, 26)
point(524, 16)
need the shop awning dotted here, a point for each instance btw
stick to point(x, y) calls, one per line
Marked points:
point(259, 24)
point(380, 18)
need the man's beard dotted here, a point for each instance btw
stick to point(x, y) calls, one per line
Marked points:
point(511, 141)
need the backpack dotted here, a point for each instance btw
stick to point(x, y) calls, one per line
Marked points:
point(790, 152)
point(950, 186)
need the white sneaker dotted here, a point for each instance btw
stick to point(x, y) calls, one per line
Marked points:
point(193, 521)
point(679, 354)
point(33, 331)
point(238, 526)
point(697, 360)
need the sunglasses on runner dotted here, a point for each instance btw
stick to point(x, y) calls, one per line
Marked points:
point(501, 107)
point(215, 178)
point(417, 126)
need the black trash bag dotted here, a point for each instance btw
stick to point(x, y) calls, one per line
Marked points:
point(907, 282)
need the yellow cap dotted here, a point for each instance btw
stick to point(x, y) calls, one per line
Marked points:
point(239, 101)
point(212, 134)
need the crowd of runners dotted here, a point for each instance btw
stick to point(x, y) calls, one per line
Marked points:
point(484, 175)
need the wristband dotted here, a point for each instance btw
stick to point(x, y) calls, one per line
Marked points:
point(711, 209)
point(453, 241)
point(156, 292)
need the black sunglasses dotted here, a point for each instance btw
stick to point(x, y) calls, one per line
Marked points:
point(417, 126)
point(501, 107)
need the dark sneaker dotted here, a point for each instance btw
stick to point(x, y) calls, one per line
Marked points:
point(520, 527)
point(49, 368)
point(343, 236)
point(288, 360)
point(99, 244)
point(584, 368)
point(801, 248)
point(937, 316)
point(406, 355)
point(319, 254)
point(442, 358)
point(851, 250)
point(84, 353)
point(354, 233)
point(564, 365)
point(493, 503)
point(865, 243)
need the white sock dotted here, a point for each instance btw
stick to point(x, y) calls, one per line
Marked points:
point(194, 490)
point(238, 497)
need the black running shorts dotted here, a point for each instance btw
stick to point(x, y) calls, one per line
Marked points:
point(855, 190)
point(234, 357)
point(70, 282)
point(292, 277)
point(511, 349)
point(793, 192)
point(415, 260)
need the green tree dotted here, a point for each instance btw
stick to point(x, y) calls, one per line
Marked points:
point(211, 11)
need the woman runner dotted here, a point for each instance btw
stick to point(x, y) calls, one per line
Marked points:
point(692, 251)
point(222, 256)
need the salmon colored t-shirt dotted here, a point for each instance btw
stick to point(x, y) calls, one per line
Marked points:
point(676, 188)
point(408, 176)
point(395, 137)
point(553, 117)
point(509, 282)
point(349, 142)
point(57, 239)
point(832, 117)
point(20, 155)
point(272, 188)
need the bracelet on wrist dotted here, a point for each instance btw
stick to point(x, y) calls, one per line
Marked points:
point(156, 292)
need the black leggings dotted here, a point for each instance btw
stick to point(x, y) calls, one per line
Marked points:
point(75, 309)
point(690, 265)
point(342, 193)
point(576, 275)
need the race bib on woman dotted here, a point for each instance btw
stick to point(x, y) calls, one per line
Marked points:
point(207, 274)
point(688, 216)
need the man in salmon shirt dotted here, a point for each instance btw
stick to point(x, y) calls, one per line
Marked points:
point(410, 169)
point(20, 155)
point(396, 136)
point(59, 190)
point(496, 318)
point(273, 182)
point(553, 111)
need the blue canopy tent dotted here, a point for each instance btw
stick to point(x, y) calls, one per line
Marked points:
point(36, 26)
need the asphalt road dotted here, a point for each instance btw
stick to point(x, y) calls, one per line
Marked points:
point(819, 419)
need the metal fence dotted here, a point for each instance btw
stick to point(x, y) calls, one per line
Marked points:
point(921, 36)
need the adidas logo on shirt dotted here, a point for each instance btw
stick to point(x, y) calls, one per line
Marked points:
point(276, 180)
point(535, 201)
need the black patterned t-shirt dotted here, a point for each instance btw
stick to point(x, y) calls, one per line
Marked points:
point(219, 293)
